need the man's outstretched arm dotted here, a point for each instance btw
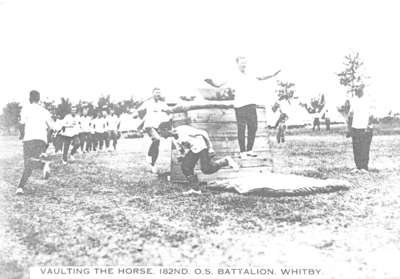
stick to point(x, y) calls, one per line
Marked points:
point(270, 76)
point(212, 83)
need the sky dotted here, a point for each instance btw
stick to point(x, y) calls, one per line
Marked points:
point(82, 49)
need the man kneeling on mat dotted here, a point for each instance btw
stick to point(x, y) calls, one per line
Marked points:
point(194, 144)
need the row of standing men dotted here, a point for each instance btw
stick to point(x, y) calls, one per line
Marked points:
point(84, 132)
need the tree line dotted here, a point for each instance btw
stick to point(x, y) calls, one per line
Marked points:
point(351, 77)
point(11, 111)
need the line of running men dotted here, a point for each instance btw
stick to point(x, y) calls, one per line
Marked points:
point(88, 133)
point(85, 132)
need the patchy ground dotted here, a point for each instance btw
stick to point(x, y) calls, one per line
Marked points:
point(107, 209)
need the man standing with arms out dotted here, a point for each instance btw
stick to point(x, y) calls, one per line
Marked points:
point(35, 121)
point(361, 129)
point(156, 112)
point(245, 105)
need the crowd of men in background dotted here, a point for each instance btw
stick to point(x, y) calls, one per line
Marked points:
point(77, 131)
point(88, 132)
point(85, 132)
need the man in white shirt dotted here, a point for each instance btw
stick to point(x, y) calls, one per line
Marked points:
point(99, 125)
point(84, 135)
point(57, 138)
point(245, 105)
point(156, 112)
point(113, 124)
point(93, 138)
point(36, 121)
point(70, 134)
point(194, 144)
point(361, 129)
point(327, 118)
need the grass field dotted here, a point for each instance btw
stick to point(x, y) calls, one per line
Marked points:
point(107, 209)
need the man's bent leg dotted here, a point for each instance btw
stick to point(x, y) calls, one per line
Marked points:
point(209, 165)
point(32, 151)
point(66, 143)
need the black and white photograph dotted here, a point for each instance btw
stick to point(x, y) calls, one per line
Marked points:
point(199, 139)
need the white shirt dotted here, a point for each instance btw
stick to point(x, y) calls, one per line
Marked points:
point(71, 124)
point(92, 125)
point(100, 125)
point(245, 89)
point(155, 113)
point(361, 108)
point(113, 122)
point(84, 122)
point(57, 125)
point(189, 138)
point(36, 120)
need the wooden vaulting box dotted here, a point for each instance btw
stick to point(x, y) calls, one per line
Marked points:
point(219, 120)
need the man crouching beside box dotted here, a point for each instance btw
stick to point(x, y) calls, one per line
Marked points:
point(194, 145)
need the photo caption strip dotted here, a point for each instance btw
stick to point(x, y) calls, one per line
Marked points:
point(150, 272)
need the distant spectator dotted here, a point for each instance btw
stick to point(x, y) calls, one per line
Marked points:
point(316, 122)
point(327, 118)
point(281, 125)
point(361, 130)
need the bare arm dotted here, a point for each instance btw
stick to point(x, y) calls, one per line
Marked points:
point(270, 76)
point(213, 84)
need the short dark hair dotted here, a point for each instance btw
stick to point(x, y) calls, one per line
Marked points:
point(165, 126)
point(239, 57)
point(34, 96)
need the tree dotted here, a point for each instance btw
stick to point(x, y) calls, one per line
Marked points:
point(352, 76)
point(63, 108)
point(126, 105)
point(285, 91)
point(11, 115)
point(315, 105)
point(104, 102)
point(50, 106)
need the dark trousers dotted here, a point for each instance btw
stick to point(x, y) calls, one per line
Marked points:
point(154, 151)
point(328, 124)
point(84, 140)
point(89, 142)
point(113, 137)
point(208, 165)
point(106, 137)
point(246, 117)
point(362, 139)
point(32, 150)
point(94, 142)
point(316, 124)
point(280, 137)
point(67, 141)
point(155, 144)
point(100, 140)
point(58, 143)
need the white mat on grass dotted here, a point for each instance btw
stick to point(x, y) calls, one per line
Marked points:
point(278, 184)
